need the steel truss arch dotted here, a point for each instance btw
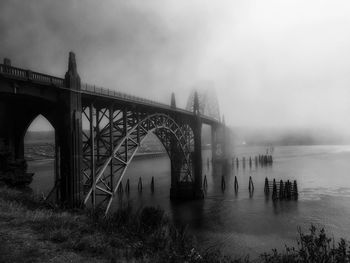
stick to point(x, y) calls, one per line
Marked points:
point(108, 152)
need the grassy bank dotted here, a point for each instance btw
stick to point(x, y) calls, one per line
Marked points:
point(31, 231)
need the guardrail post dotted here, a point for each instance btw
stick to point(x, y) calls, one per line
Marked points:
point(29, 74)
point(7, 65)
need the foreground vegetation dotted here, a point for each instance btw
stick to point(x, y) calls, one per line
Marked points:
point(32, 231)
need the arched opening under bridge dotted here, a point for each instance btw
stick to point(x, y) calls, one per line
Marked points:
point(150, 161)
point(39, 153)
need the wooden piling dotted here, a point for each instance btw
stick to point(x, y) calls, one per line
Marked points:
point(281, 191)
point(266, 187)
point(274, 190)
point(251, 185)
point(236, 184)
point(152, 185)
point(295, 189)
point(223, 184)
point(139, 185)
point(120, 188)
point(288, 192)
point(127, 186)
point(250, 162)
point(205, 183)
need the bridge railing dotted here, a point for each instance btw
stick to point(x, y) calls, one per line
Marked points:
point(29, 75)
point(95, 90)
point(92, 89)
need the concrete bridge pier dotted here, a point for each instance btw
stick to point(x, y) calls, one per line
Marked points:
point(197, 160)
point(217, 145)
point(70, 138)
point(65, 114)
point(176, 163)
point(221, 142)
point(187, 190)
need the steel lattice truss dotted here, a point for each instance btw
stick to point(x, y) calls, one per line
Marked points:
point(112, 140)
point(208, 102)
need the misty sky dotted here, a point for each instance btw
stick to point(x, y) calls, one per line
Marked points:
point(274, 63)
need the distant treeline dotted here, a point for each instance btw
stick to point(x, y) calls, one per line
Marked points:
point(288, 136)
point(39, 137)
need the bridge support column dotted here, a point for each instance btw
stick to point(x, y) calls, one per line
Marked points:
point(197, 159)
point(219, 143)
point(216, 146)
point(176, 161)
point(70, 137)
point(185, 190)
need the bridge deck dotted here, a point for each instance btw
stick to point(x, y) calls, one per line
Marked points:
point(11, 72)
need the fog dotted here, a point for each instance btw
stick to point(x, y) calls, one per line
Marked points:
point(274, 63)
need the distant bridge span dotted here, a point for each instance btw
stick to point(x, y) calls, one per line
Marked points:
point(98, 132)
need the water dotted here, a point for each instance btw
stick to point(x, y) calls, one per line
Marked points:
point(241, 224)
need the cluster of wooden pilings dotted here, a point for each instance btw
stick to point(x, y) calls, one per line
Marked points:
point(120, 189)
point(282, 190)
point(265, 159)
point(262, 160)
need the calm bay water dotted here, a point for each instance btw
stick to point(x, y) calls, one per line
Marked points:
point(239, 223)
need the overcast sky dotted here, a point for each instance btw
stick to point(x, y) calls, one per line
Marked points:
point(273, 62)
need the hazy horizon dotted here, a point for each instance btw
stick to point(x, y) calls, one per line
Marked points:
point(273, 63)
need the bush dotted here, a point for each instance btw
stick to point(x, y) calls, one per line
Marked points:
point(151, 218)
point(59, 235)
point(312, 247)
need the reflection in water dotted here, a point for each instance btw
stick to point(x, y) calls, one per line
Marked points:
point(242, 221)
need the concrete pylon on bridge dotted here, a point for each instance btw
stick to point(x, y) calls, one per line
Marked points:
point(173, 101)
point(176, 160)
point(70, 138)
point(197, 159)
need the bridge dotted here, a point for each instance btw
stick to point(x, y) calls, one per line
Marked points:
point(98, 132)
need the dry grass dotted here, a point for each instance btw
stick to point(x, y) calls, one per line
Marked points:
point(146, 236)
point(32, 231)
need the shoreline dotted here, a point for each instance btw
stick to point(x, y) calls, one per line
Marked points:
point(137, 156)
point(33, 231)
